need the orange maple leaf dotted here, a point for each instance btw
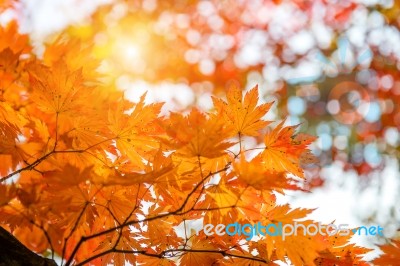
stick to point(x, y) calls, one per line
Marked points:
point(197, 135)
point(243, 114)
point(200, 258)
point(284, 150)
point(58, 90)
point(254, 174)
point(135, 133)
point(391, 256)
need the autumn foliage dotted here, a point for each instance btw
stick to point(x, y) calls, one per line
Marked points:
point(93, 178)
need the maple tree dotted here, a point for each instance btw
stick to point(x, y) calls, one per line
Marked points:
point(92, 178)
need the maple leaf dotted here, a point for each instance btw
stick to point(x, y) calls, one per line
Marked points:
point(117, 204)
point(121, 241)
point(198, 257)
point(9, 62)
point(85, 132)
point(11, 39)
point(391, 254)
point(339, 251)
point(155, 171)
point(243, 114)
point(197, 135)
point(283, 150)
point(58, 90)
point(40, 132)
point(13, 215)
point(161, 233)
point(254, 174)
point(135, 133)
point(298, 248)
point(7, 193)
point(68, 49)
point(223, 198)
point(11, 125)
point(7, 150)
point(75, 212)
point(70, 176)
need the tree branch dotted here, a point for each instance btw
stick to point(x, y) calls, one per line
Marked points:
point(14, 253)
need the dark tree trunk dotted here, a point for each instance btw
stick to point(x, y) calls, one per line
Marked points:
point(14, 253)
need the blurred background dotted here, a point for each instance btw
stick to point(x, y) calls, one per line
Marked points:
point(331, 65)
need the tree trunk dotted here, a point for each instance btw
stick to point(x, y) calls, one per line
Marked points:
point(14, 253)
